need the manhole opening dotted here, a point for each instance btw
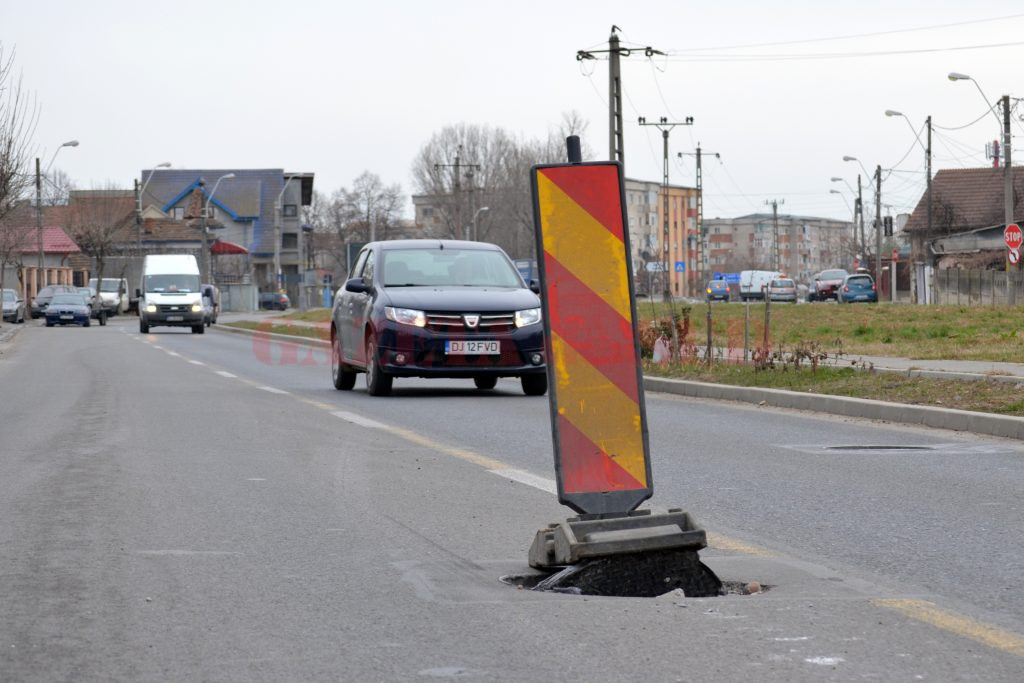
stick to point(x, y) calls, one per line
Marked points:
point(637, 575)
point(879, 448)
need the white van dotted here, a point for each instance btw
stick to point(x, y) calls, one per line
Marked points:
point(754, 282)
point(113, 293)
point(170, 293)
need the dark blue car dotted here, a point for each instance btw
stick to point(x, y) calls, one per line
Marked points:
point(858, 288)
point(68, 309)
point(436, 308)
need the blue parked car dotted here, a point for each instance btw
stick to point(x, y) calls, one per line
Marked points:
point(68, 309)
point(718, 289)
point(859, 287)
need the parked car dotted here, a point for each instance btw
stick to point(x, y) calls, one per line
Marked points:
point(68, 308)
point(826, 285)
point(754, 282)
point(14, 307)
point(113, 293)
point(96, 308)
point(859, 287)
point(718, 290)
point(782, 289)
point(43, 297)
point(274, 301)
point(436, 308)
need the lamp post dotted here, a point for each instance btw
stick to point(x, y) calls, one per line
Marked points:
point(278, 275)
point(853, 213)
point(860, 206)
point(205, 265)
point(41, 274)
point(473, 225)
point(1007, 147)
point(138, 204)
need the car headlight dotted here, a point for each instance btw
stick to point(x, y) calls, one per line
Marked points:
point(196, 308)
point(150, 308)
point(406, 316)
point(529, 316)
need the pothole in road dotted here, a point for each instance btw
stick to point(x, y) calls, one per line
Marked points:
point(639, 575)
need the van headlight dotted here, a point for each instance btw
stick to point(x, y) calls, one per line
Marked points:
point(196, 308)
point(528, 316)
point(150, 308)
point(406, 316)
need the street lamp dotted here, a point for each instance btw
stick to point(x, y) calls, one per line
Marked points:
point(138, 210)
point(473, 224)
point(836, 179)
point(278, 208)
point(860, 207)
point(205, 266)
point(39, 210)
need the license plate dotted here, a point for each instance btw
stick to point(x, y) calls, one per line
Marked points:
point(174, 318)
point(67, 317)
point(862, 297)
point(472, 347)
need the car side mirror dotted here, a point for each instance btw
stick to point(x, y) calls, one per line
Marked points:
point(534, 286)
point(357, 285)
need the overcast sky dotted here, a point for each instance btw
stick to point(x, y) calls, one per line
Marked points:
point(337, 87)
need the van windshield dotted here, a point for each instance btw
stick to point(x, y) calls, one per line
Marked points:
point(172, 284)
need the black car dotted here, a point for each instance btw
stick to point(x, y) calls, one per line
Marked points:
point(274, 301)
point(436, 308)
point(43, 297)
point(68, 308)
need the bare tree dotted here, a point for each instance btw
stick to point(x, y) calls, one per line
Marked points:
point(370, 210)
point(56, 188)
point(18, 116)
point(99, 220)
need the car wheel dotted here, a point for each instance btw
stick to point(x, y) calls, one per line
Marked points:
point(143, 327)
point(377, 382)
point(343, 376)
point(103, 319)
point(49, 324)
point(198, 329)
point(485, 382)
point(534, 385)
point(87, 323)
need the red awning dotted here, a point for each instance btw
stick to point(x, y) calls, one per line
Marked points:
point(222, 247)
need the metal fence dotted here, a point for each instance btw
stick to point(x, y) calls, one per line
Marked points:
point(978, 287)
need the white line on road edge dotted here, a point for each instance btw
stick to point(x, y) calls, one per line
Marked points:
point(197, 362)
point(225, 373)
point(523, 477)
point(157, 346)
point(359, 420)
point(174, 353)
point(272, 390)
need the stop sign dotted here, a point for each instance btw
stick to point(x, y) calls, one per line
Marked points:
point(1013, 236)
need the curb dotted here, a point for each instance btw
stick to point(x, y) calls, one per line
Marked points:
point(942, 418)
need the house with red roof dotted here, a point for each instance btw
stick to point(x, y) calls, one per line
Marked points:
point(43, 252)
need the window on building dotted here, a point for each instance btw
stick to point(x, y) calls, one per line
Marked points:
point(290, 240)
point(179, 213)
point(290, 211)
point(427, 212)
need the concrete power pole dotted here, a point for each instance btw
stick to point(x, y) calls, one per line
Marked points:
point(878, 225)
point(860, 219)
point(777, 248)
point(41, 275)
point(701, 235)
point(665, 126)
point(457, 190)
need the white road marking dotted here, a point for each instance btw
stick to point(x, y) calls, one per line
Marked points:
point(186, 552)
point(225, 373)
point(197, 362)
point(359, 420)
point(173, 353)
point(157, 346)
point(528, 478)
point(273, 390)
point(825, 661)
point(255, 479)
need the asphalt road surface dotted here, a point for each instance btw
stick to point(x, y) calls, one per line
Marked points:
point(207, 507)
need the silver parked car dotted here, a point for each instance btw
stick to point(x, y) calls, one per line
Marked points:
point(14, 307)
point(782, 289)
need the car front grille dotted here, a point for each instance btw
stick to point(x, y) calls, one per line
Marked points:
point(489, 323)
point(174, 308)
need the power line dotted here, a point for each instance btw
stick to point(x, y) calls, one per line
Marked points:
point(835, 55)
point(967, 125)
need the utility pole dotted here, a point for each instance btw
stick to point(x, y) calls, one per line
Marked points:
point(457, 189)
point(777, 250)
point(878, 225)
point(616, 148)
point(860, 219)
point(701, 236)
point(664, 125)
point(41, 274)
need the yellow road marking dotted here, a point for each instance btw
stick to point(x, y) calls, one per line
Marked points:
point(929, 613)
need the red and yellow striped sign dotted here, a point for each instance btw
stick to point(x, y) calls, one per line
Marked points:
point(597, 408)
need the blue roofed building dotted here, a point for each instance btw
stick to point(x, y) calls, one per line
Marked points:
point(248, 214)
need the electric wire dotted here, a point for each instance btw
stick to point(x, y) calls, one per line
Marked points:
point(966, 125)
point(768, 57)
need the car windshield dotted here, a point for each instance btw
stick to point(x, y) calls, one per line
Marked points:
point(110, 285)
point(45, 292)
point(447, 268)
point(833, 275)
point(717, 283)
point(66, 299)
point(859, 281)
point(9, 295)
point(172, 284)
point(783, 283)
